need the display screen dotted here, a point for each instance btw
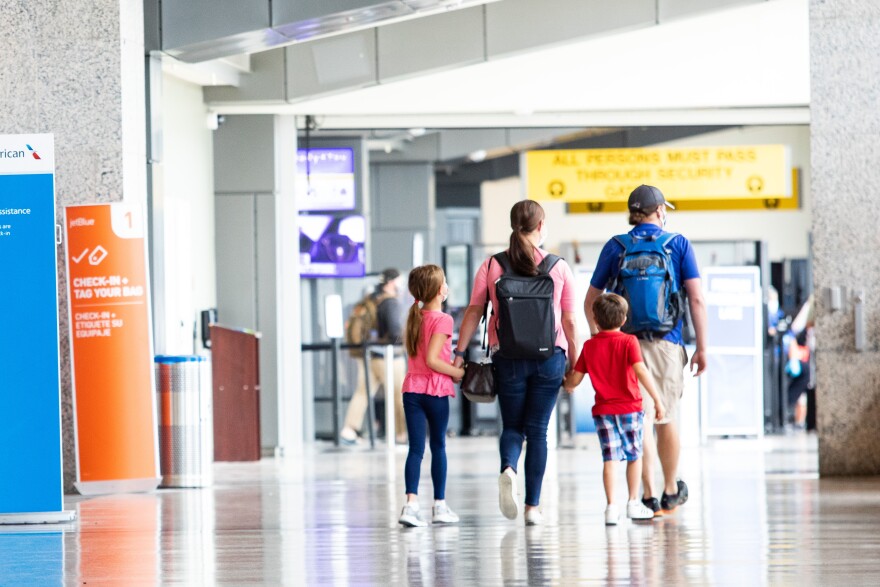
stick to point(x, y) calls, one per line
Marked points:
point(332, 246)
point(325, 179)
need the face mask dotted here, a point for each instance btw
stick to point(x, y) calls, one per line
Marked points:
point(543, 236)
point(665, 219)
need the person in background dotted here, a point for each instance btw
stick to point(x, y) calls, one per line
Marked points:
point(774, 312)
point(389, 330)
point(798, 369)
point(427, 388)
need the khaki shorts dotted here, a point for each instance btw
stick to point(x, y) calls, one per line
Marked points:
point(665, 362)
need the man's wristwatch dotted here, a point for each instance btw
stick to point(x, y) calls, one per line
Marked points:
point(458, 353)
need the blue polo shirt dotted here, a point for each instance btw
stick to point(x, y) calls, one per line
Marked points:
point(684, 264)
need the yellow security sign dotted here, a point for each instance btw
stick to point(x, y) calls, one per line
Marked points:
point(684, 173)
point(769, 202)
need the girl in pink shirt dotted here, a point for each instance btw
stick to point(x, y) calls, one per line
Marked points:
point(428, 384)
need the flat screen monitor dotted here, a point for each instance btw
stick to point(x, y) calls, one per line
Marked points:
point(325, 179)
point(332, 245)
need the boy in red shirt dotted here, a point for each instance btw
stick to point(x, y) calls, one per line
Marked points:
point(613, 360)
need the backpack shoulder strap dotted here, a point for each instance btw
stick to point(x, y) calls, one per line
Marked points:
point(548, 262)
point(665, 238)
point(503, 260)
point(624, 240)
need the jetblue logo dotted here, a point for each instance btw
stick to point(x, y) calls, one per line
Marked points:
point(82, 222)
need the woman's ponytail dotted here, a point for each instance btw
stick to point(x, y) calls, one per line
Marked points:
point(525, 217)
point(413, 329)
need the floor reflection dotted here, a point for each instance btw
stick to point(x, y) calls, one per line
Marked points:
point(187, 516)
point(31, 557)
point(119, 534)
point(757, 515)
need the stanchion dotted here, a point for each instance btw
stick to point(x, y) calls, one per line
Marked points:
point(390, 398)
point(334, 386)
point(371, 408)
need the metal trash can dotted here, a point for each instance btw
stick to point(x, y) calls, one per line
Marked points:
point(186, 431)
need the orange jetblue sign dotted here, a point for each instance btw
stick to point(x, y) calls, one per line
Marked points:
point(686, 173)
point(111, 350)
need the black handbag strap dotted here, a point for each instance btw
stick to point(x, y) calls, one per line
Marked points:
point(484, 320)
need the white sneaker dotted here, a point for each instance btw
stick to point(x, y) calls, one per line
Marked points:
point(507, 494)
point(410, 516)
point(611, 515)
point(534, 517)
point(348, 437)
point(444, 515)
point(636, 510)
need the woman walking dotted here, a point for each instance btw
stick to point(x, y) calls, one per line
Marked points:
point(527, 387)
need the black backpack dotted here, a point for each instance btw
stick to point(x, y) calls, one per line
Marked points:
point(526, 322)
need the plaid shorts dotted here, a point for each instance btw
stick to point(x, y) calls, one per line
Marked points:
point(620, 436)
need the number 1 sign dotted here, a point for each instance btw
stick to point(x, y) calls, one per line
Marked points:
point(111, 350)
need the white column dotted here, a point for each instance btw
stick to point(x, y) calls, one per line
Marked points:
point(288, 310)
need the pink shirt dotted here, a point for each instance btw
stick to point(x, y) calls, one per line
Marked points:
point(419, 377)
point(563, 293)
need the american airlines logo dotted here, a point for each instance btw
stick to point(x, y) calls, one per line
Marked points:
point(7, 154)
point(82, 222)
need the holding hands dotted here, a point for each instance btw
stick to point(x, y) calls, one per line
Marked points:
point(571, 381)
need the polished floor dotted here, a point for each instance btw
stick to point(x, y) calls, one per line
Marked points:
point(758, 515)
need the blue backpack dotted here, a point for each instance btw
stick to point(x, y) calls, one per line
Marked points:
point(647, 281)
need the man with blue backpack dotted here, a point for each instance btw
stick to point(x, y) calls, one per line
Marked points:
point(656, 271)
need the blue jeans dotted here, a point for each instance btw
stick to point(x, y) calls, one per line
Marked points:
point(527, 392)
point(422, 409)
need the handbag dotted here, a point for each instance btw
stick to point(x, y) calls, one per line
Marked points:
point(478, 383)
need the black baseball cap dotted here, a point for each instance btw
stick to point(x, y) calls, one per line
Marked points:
point(646, 197)
point(388, 275)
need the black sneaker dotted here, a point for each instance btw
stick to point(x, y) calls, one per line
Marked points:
point(668, 503)
point(653, 504)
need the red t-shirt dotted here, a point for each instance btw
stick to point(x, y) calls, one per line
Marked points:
point(608, 358)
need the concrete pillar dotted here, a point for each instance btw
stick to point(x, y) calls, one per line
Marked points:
point(76, 70)
point(845, 127)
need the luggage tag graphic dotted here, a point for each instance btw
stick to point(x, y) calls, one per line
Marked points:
point(98, 255)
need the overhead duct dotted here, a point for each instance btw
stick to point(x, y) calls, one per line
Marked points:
point(200, 30)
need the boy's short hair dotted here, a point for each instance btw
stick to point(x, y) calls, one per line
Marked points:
point(610, 310)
